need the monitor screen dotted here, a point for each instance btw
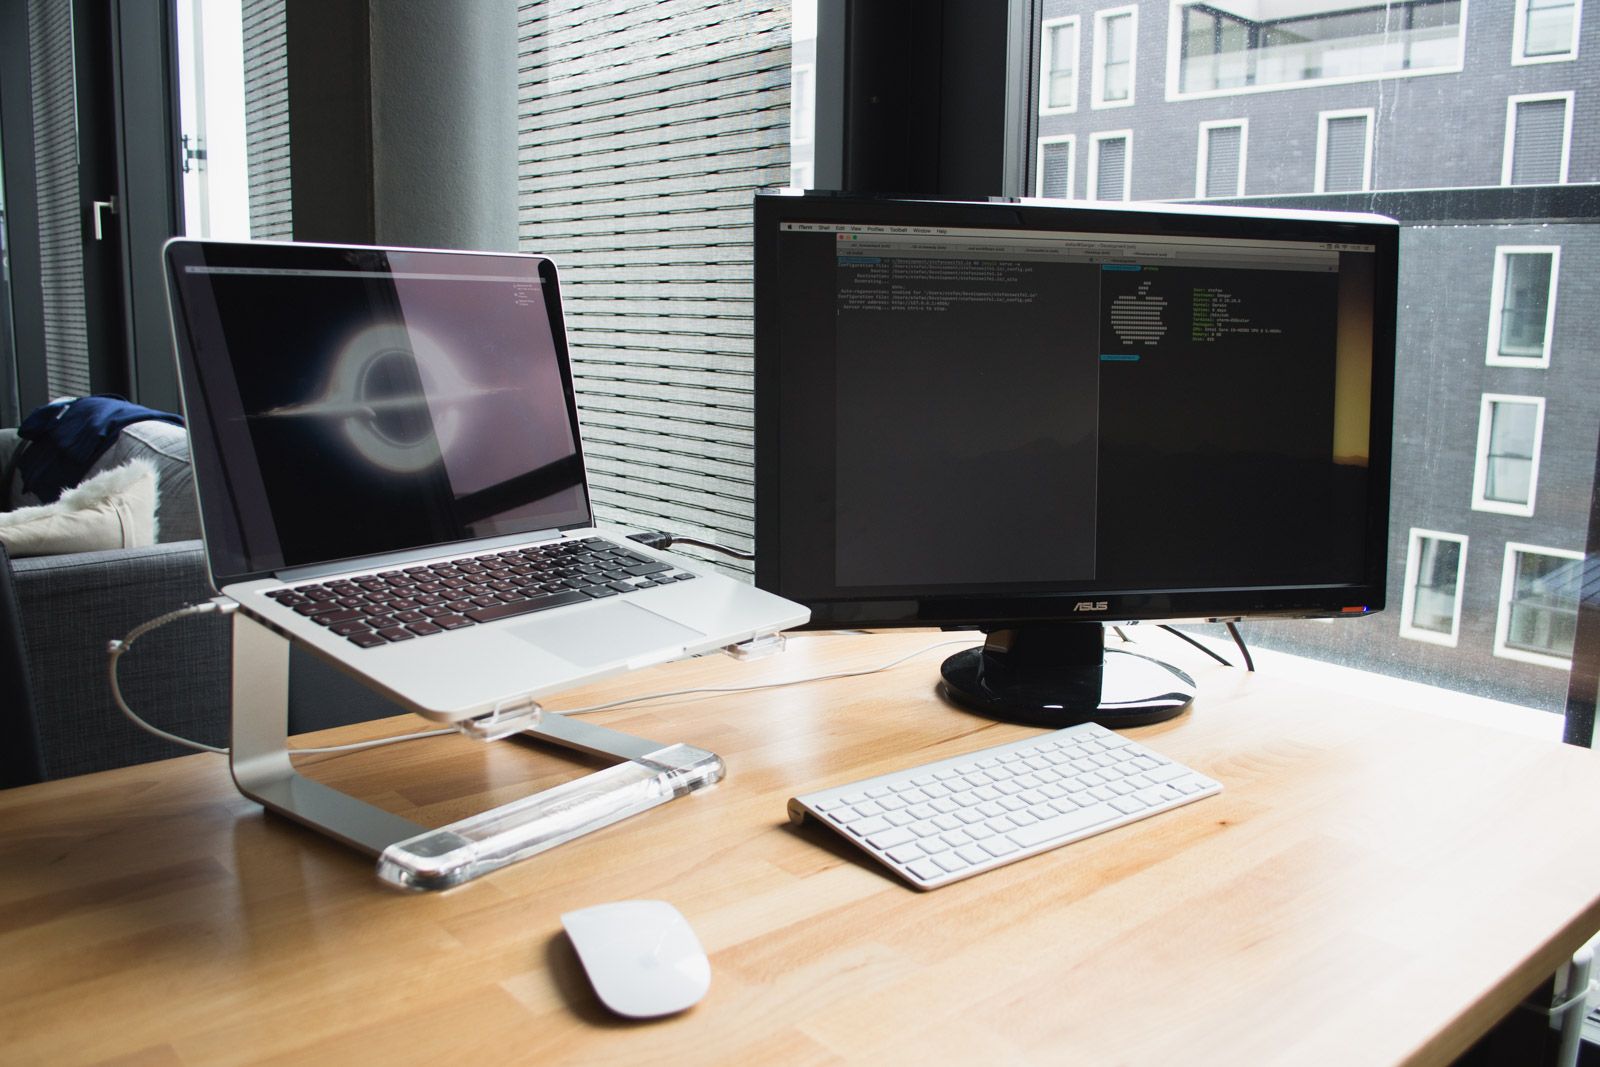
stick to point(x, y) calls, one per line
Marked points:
point(1009, 413)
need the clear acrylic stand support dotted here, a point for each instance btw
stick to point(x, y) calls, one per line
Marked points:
point(412, 856)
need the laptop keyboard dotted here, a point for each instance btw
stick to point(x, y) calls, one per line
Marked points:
point(398, 605)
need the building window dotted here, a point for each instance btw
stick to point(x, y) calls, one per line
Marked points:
point(1110, 162)
point(1546, 31)
point(1522, 316)
point(1213, 50)
point(1058, 66)
point(1344, 151)
point(1220, 168)
point(1115, 37)
point(802, 104)
point(1055, 170)
point(1506, 476)
point(1430, 608)
point(1538, 137)
point(1538, 616)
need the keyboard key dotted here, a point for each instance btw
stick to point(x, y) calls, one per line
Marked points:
point(1063, 825)
point(525, 607)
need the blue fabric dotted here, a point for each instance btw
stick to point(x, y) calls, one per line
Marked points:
point(66, 437)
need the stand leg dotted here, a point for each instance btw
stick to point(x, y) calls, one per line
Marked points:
point(410, 855)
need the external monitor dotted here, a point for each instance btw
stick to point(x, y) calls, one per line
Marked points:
point(1034, 419)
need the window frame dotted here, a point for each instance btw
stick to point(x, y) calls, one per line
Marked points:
point(1203, 154)
point(1046, 58)
point(1324, 118)
point(1408, 628)
point(1092, 186)
point(1097, 75)
point(1493, 356)
point(1480, 468)
point(1174, 91)
point(1072, 163)
point(1567, 96)
point(1508, 581)
point(1519, 37)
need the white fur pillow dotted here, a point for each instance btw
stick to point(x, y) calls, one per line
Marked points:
point(114, 509)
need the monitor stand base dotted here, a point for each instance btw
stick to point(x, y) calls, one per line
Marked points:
point(1060, 675)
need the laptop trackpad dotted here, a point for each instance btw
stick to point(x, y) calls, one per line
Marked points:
point(604, 633)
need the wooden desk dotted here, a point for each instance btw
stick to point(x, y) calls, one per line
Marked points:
point(1374, 885)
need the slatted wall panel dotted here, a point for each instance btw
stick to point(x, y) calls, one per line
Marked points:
point(266, 119)
point(644, 129)
point(1541, 127)
point(1344, 167)
point(1222, 160)
point(61, 215)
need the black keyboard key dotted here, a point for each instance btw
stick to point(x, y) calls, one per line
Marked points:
point(641, 569)
point(525, 607)
point(345, 629)
point(451, 622)
point(423, 629)
point(367, 639)
point(336, 616)
point(396, 633)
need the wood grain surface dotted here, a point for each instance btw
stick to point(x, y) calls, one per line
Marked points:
point(1374, 885)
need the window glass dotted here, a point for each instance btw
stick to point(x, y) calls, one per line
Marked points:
point(1431, 610)
point(1539, 616)
point(1508, 456)
point(1279, 44)
point(1222, 167)
point(1546, 28)
point(1115, 33)
point(1060, 66)
point(1524, 304)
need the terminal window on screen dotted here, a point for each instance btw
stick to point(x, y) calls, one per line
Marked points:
point(1015, 418)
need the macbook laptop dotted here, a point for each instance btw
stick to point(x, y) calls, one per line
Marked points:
point(387, 457)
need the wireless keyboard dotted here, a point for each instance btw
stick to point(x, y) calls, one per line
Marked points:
point(944, 821)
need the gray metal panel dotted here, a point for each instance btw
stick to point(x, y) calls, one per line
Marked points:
point(1222, 161)
point(1344, 168)
point(1536, 148)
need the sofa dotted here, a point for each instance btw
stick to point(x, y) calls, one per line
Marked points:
point(57, 613)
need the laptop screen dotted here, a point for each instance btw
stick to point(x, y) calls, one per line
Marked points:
point(350, 402)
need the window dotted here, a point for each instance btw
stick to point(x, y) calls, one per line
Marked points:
point(1522, 316)
point(1217, 49)
point(1219, 171)
point(1110, 157)
point(1056, 166)
point(1538, 617)
point(1546, 31)
point(1506, 476)
point(1538, 137)
point(1058, 87)
point(1430, 608)
point(1344, 151)
point(1115, 39)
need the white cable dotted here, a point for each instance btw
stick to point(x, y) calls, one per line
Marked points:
point(764, 685)
point(115, 650)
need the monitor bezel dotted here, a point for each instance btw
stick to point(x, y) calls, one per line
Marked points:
point(991, 611)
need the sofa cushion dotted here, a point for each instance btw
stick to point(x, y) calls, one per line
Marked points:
point(113, 509)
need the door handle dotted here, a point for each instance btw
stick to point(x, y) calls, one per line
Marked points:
point(98, 207)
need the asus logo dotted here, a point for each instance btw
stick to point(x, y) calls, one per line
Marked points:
point(1090, 605)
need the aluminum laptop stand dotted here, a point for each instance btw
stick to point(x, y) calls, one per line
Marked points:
point(412, 856)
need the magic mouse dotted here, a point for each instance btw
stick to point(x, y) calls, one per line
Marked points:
point(640, 955)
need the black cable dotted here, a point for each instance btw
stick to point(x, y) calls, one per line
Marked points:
point(1249, 664)
point(1179, 633)
point(662, 540)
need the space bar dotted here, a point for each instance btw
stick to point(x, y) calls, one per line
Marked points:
point(1064, 825)
point(523, 607)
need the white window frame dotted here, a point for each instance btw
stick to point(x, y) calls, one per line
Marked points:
point(1511, 131)
point(1408, 597)
point(1480, 470)
point(1092, 189)
point(1203, 153)
point(1072, 163)
point(1097, 98)
point(1175, 64)
point(1497, 304)
point(1323, 119)
point(1502, 624)
point(803, 132)
point(1519, 37)
point(1046, 60)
